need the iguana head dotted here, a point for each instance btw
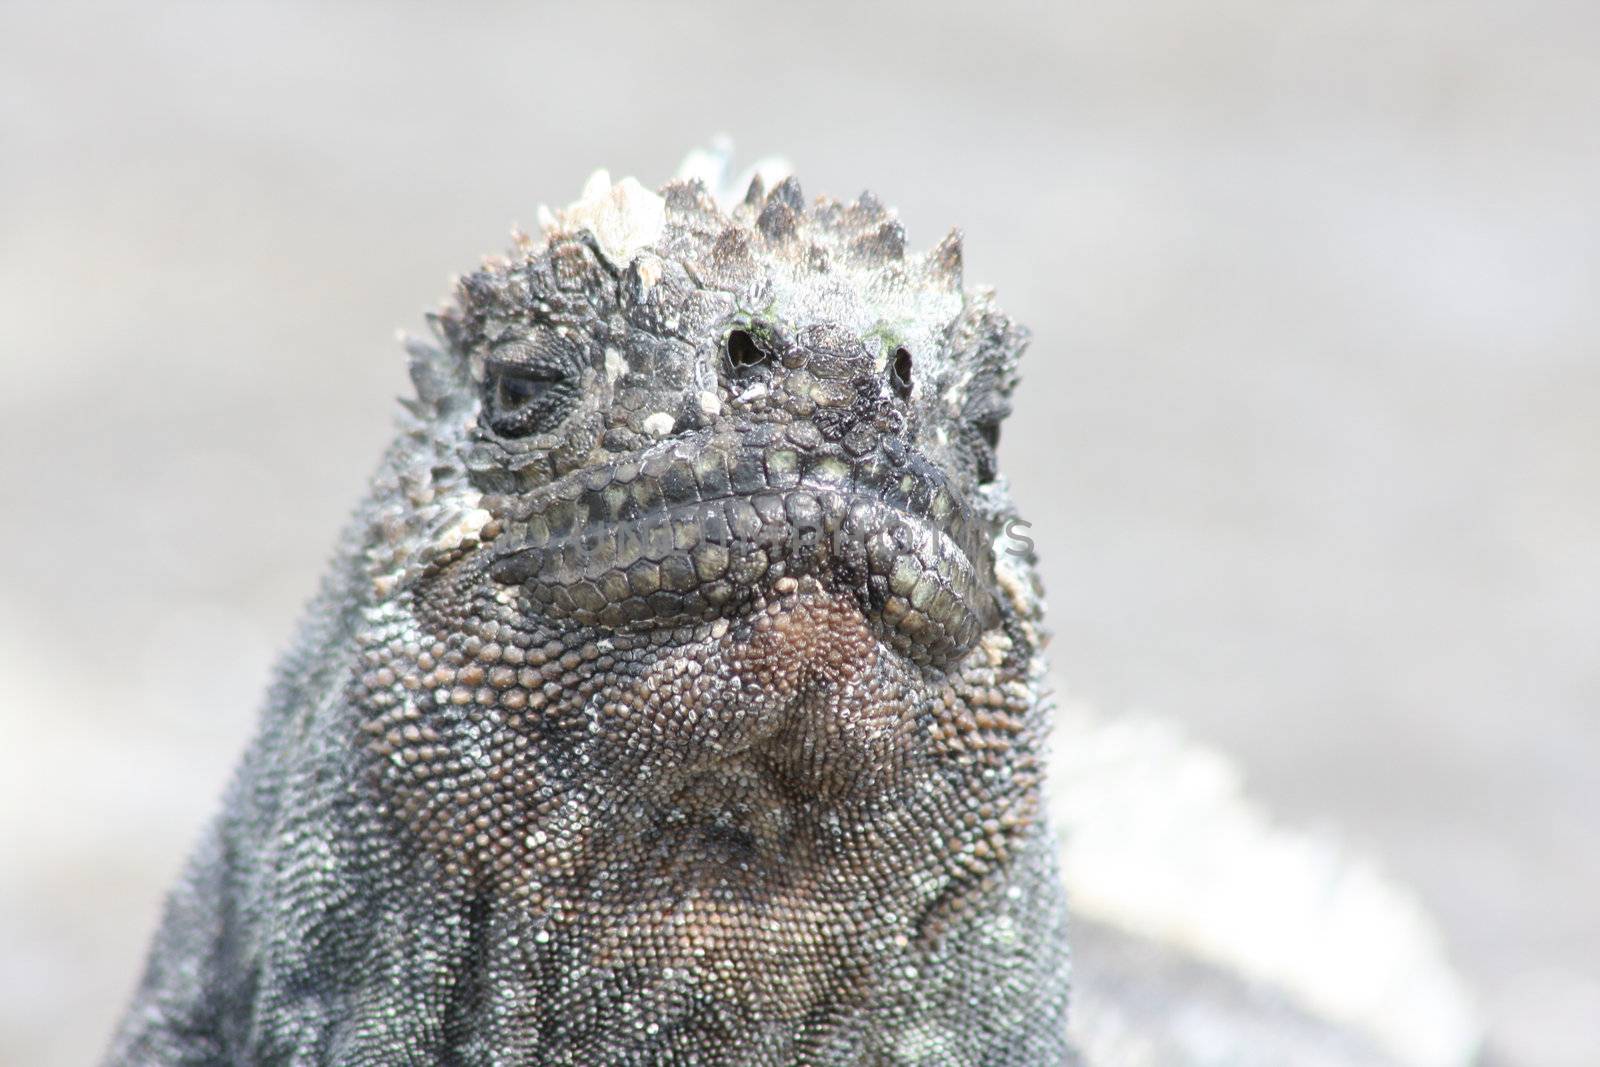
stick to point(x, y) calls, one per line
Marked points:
point(675, 408)
point(690, 637)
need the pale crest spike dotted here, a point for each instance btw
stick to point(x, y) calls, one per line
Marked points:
point(788, 194)
point(777, 220)
point(439, 326)
point(891, 240)
point(868, 207)
point(434, 375)
point(771, 170)
point(945, 259)
point(690, 196)
point(883, 245)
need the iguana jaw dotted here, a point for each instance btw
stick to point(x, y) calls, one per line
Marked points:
point(706, 525)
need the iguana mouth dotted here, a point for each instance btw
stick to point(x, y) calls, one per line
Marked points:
point(697, 527)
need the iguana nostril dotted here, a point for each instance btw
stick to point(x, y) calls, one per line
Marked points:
point(901, 375)
point(743, 351)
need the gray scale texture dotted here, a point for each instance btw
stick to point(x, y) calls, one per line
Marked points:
point(674, 699)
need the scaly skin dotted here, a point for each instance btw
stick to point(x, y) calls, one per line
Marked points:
point(676, 696)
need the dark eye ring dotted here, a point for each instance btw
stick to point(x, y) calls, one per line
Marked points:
point(989, 434)
point(525, 398)
point(516, 386)
point(989, 430)
point(743, 351)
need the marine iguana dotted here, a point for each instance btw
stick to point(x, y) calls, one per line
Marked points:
point(675, 697)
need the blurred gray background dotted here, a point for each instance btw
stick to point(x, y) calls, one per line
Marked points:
point(1309, 434)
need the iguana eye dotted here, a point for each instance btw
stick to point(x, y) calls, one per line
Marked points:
point(988, 463)
point(990, 432)
point(743, 350)
point(518, 386)
point(527, 397)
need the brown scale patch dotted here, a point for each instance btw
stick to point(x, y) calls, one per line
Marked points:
point(776, 754)
point(802, 694)
point(768, 809)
